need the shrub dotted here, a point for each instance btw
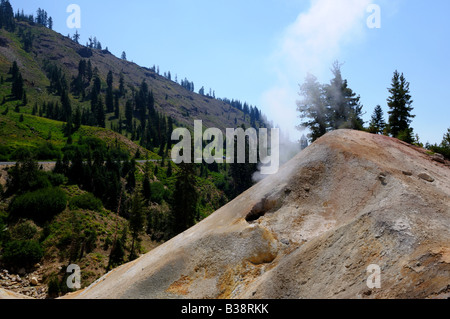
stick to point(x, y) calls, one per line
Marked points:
point(22, 253)
point(25, 176)
point(4, 153)
point(441, 150)
point(22, 153)
point(158, 222)
point(53, 287)
point(158, 192)
point(86, 201)
point(41, 205)
point(24, 231)
point(90, 240)
point(406, 136)
point(108, 242)
point(117, 254)
point(47, 151)
point(56, 179)
point(65, 239)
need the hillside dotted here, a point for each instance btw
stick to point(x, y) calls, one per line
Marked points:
point(98, 118)
point(350, 200)
point(66, 91)
point(51, 47)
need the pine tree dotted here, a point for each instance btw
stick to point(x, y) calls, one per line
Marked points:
point(129, 116)
point(446, 140)
point(343, 105)
point(116, 104)
point(97, 83)
point(400, 105)
point(14, 71)
point(151, 105)
point(136, 222)
point(76, 37)
point(7, 16)
point(89, 72)
point(117, 253)
point(312, 108)
point(377, 124)
point(66, 106)
point(24, 98)
point(328, 107)
point(76, 169)
point(169, 134)
point(146, 186)
point(109, 100)
point(246, 109)
point(42, 17)
point(27, 40)
point(77, 119)
point(131, 176)
point(78, 84)
point(242, 173)
point(121, 85)
point(100, 112)
point(141, 101)
point(17, 87)
point(185, 199)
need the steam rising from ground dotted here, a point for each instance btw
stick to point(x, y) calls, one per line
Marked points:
point(287, 150)
point(310, 44)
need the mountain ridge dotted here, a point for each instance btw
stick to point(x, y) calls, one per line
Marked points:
point(170, 97)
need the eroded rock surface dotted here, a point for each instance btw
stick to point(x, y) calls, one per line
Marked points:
point(350, 200)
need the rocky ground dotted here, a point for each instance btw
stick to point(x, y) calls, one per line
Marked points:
point(29, 285)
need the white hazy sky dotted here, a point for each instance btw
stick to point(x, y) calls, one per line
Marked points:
point(259, 51)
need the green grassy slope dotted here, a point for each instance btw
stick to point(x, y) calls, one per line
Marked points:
point(35, 131)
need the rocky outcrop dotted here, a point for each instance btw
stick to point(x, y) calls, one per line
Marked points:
point(21, 285)
point(348, 201)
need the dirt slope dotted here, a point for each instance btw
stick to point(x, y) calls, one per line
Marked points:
point(6, 294)
point(349, 200)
